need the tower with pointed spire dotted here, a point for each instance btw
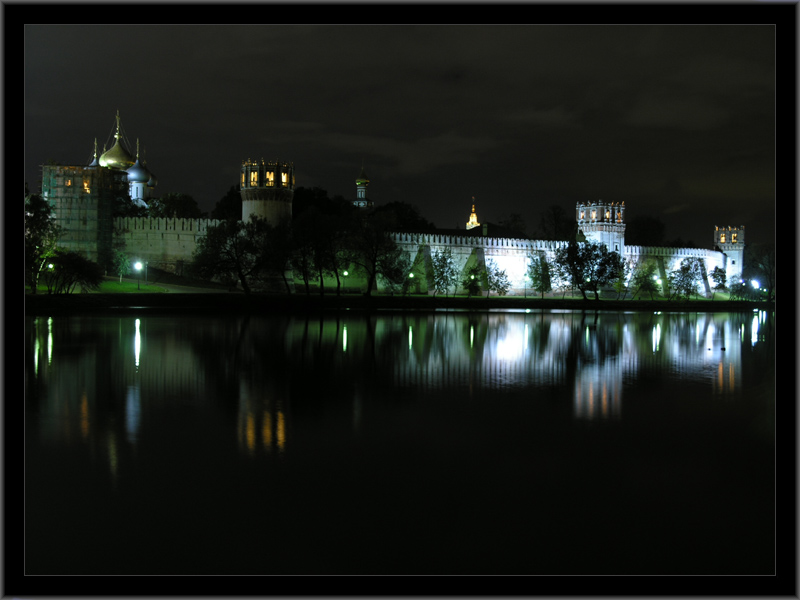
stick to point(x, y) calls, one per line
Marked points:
point(473, 217)
point(362, 181)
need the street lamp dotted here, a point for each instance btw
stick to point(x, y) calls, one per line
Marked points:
point(138, 267)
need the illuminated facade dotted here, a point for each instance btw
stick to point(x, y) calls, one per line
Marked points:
point(730, 240)
point(603, 222)
point(473, 219)
point(267, 190)
point(84, 197)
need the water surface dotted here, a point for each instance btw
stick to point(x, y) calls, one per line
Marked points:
point(400, 443)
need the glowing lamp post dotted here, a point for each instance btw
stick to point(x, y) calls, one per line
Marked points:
point(138, 267)
point(525, 279)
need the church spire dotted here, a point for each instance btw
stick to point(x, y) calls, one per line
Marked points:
point(473, 218)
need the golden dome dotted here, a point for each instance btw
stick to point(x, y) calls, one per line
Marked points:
point(117, 157)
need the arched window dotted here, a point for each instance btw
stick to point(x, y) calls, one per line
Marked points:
point(721, 238)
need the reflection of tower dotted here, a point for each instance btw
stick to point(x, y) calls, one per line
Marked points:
point(603, 222)
point(267, 190)
point(262, 423)
point(730, 240)
point(473, 218)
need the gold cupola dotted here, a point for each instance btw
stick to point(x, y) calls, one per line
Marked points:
point(117, 157)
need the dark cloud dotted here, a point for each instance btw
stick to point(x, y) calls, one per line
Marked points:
point(671, 119)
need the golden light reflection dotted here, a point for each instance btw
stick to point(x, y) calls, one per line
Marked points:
point(281, 431)
point(250, 432)
point(84, 416)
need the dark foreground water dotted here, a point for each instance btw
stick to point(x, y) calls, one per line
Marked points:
point(413, 443)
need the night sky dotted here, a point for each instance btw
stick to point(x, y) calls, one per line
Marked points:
point(677, 121)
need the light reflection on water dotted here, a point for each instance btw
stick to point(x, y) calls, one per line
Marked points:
point(78, 362)
point(143, 393)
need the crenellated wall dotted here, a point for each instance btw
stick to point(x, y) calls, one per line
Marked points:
point(164, 243)
point(170, 243)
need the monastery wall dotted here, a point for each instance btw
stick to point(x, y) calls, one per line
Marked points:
point(167, 244)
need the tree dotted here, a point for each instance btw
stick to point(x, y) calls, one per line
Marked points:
point(539, 274)
point(684, 279)
point(405, 217)
point(274, 249)
point(760, 265)
point(555, 224)
point(121, 263)
point(514, 222)
point(644, 278)
point(621, 282)
point(445, 272)
point(719, 277)
point(229, 206)
point(588, 266)
point(231, 251)
point(175, 205)
point(497, 279)
point(41, 236)
point(472, 280)
point(67, 270)
point(375, 251)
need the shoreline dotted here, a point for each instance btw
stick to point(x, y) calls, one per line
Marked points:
point(237, 303)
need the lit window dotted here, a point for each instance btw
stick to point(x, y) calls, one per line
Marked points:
point(253, 177)
point(721, 238)
point(733, 238)
point(608, 215)
point(242, 178)
point(583, 215)
point(86, 187)
point(594, 215)
point(270, 178)
point(284, 178)
point(69, 182)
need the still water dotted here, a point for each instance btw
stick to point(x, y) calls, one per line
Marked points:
point(550, 442)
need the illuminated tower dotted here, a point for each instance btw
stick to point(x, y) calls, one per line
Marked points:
point(267, 190)
point(362, 181)
point(603, 222)
point(730, 240)
point(473, 218)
